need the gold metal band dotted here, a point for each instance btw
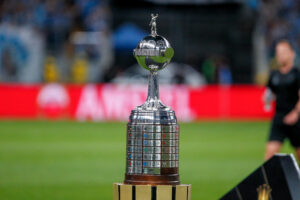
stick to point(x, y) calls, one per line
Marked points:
point(148, 192)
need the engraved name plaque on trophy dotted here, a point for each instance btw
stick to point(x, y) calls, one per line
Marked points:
point(152, 133)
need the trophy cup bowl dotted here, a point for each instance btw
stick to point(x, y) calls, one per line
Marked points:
point(153, 53)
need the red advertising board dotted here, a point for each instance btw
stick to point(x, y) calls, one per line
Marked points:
point(114, 102)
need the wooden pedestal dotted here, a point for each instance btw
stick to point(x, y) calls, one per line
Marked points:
point(149, 192)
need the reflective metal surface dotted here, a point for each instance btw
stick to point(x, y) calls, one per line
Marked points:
point(153, 52)
point(151, 146)
point(152, 130)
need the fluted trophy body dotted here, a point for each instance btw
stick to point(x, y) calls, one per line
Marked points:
point(152, 130)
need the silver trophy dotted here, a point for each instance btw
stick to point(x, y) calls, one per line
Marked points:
point(152, 130)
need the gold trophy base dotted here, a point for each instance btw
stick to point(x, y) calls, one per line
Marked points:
point(151, 192)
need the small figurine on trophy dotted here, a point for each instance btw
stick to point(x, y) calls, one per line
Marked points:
point(153, 24)
point(152, 133)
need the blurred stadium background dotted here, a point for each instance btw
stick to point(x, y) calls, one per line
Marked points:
point(68, 81)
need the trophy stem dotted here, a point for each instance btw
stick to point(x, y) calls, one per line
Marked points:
point(153, 88)
point(153, 102)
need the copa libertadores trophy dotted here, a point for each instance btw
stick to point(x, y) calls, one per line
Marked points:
point(152, 134)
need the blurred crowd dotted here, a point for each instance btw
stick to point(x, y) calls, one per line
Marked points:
point(281, 20)
point(216, 69)
point(71, 36)
point(57, 19)
point(72, 40)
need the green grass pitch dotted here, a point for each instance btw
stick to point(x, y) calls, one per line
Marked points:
point(71, 160)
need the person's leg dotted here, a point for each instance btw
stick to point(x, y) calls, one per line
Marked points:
point(272, 148)
point(276, 137)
